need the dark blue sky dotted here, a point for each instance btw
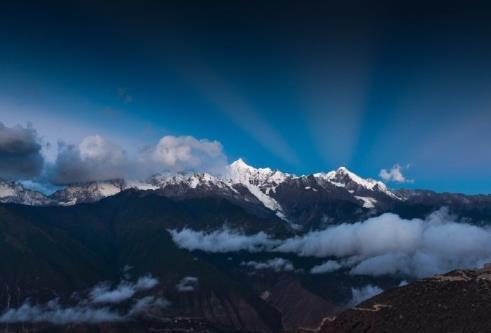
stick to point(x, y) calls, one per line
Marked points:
point(301, 86)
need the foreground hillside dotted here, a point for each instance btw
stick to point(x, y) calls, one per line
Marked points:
point(459, 301)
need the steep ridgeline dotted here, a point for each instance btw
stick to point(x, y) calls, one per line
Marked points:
point(302, 202)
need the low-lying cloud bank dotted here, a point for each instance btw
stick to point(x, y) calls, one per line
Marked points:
point(275, 264)
point(97, 307)
point(386, 244)
point(225, 240)
point(327, 267)
point(103, 293)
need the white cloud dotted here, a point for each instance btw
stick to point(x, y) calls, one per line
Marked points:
point(403, 283)
point(53, 312)
point(185, 153)
point(102, 293)
point(94, 159)
point(98, 159)
point(394, 175)
point(221, 240)
point(275, 264)
point(187, 283)
point(386, 244)
point(327, 267)
point(359, 295)
point(147, 302)
point(89, 310)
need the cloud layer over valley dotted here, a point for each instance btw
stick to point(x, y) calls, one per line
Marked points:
point(386, 244)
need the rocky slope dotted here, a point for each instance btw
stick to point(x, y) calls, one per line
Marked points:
point(459, 301)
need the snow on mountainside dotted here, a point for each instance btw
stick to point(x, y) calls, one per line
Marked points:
point(88, 192)
point(342, 177)
point(260, 182)
point(189, 180)
point(12, 192)
point(241, 182)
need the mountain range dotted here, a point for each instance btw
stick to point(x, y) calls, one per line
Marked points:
point(103, 256)
point(304, 202)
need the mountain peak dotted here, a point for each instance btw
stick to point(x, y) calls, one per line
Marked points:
point(240, 164)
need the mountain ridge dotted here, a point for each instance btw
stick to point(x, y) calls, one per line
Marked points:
point(303, 202)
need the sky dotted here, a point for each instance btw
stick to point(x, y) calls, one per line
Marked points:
point(303, 86)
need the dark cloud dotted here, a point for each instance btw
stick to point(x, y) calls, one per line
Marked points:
point(20, 153)
point(94, 159)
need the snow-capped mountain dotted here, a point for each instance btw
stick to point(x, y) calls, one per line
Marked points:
point(342, 177)
point(88, 192)
point(12, 192)
point(239, 181)
point(260, 182)
point(309, 200)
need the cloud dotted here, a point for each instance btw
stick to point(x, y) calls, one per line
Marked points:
point(98, 159)
point(221, 241)
point(395, 175)
point(327, 267)
point(94, 159)
point(89, 310)
point(53, 312)
point(20, 153)
point(386, 244)
point(275, 264)
point(102, 293)
point(147, 302)
point(403, 283)
point(359, 295)
point(187, 283)
point(185, 153)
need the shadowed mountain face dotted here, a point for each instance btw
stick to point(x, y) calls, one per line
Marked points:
point(459, 301)
point(47, 251)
